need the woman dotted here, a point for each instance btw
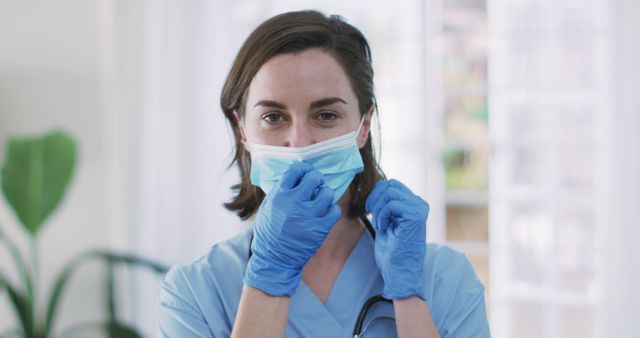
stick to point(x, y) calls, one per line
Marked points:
point(299, 98)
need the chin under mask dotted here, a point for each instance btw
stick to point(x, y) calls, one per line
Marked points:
point(338, 159)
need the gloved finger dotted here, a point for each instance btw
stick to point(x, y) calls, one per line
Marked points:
point(375, 194)
point(389, 213)
point(381, 225)
point(319, 205)
point(399, 185)
point(294, 174)
point(424, 206)
point(414, 230)
point(309, 184)
point(324, 196)
point(332, 216)
point(390, 194)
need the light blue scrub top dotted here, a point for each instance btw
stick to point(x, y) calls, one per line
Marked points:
point(201, 299)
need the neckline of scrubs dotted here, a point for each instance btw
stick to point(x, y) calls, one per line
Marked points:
point(357, 280)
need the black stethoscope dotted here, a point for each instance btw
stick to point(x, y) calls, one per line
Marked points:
point(357, 329)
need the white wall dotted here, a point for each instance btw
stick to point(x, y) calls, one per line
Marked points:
point(49, 78)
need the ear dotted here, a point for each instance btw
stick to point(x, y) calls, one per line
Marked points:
point(243, 134)
point(366, 127)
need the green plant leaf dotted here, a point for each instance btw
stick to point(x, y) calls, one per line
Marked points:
point(35, 175)
point(20, 305)
point(110, 292)
point(19, 262)
point(107, 257)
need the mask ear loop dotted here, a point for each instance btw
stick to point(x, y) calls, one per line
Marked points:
point(360, 126)
point(242, 127)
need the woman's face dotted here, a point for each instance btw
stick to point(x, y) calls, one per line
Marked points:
point(296, 100)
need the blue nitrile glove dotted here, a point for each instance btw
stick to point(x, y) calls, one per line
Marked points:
point(399, 218)
point(292, 223)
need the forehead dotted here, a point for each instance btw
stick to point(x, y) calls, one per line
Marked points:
point(310, 74)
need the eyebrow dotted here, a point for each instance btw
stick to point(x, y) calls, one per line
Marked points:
point(315, 104)
point(270, 104)
point(326, 101)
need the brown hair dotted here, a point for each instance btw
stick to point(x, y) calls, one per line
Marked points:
point(294, 32)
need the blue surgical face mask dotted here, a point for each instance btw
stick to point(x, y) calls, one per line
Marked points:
point(338, 159)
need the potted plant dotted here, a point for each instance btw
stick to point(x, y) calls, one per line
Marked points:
point(35, 175)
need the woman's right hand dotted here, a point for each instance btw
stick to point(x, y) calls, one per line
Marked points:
point(291, 225)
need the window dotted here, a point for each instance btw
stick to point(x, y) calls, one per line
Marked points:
point(546, 92)
point(466, 153)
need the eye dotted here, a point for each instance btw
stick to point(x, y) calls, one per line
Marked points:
point(328, 116)
point(272, 117)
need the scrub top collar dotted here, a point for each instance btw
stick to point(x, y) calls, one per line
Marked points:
point(358, 280)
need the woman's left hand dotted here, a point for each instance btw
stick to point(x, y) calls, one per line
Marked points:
point(399, 218)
